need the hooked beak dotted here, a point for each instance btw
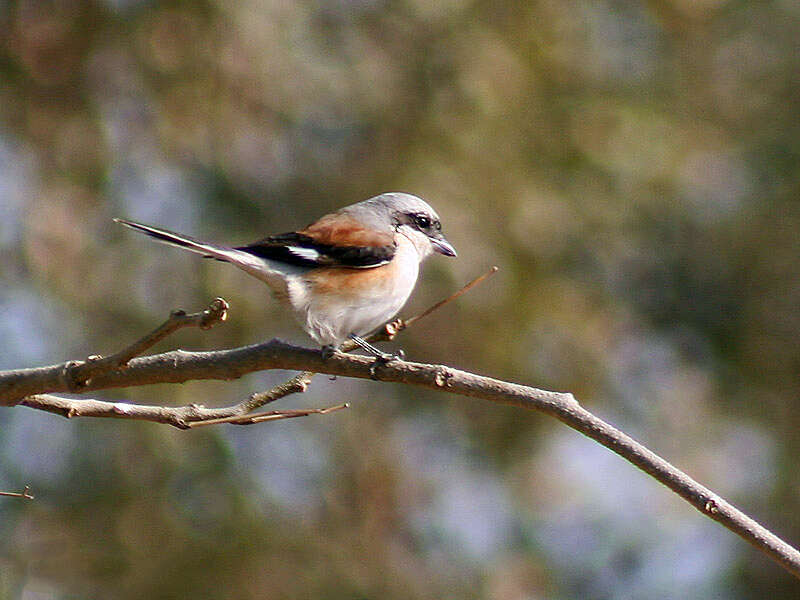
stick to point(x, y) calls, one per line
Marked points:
point(442, 246)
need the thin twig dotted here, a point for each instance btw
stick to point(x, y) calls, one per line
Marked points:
point(79, 373)
point(296, 385)
point(273, 415)
point(480, 279)
point(392, 328)
point(25, 493)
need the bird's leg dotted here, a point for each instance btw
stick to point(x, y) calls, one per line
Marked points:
point(382, 356)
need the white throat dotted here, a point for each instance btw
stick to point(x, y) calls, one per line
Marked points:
point(420, 241)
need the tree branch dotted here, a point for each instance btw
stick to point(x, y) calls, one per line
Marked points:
point(182, 417)
point(78, 373)
point(180, 366)
point(273, 415)
point(30, 387)
point(25, 494)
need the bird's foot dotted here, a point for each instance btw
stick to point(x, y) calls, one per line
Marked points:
point(382, 360)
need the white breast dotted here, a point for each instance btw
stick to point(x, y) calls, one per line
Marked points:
point(331, 304)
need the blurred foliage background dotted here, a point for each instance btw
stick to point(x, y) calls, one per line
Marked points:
point(632, 167)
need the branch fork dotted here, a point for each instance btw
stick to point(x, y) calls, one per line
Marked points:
point(78, 374)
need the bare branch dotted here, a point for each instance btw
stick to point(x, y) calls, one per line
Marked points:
point(478, 280)
point(77, 374)
point(273, 415)
point(178, 366)
point(182, 417)
point(296, 385)
point(179, 416)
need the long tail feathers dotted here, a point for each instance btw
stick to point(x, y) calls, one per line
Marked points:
point(272, 273)
point(183, 241)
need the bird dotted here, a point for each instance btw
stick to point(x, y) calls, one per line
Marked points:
point(345, 274)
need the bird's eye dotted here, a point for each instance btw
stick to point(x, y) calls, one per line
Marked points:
point(422, 221)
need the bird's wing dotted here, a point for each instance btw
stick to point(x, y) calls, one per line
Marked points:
point(334, 241)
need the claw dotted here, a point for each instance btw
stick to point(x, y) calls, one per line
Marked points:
point(373, 368)
point(382, 360)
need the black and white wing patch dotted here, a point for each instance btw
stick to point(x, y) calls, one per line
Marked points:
point(303, 250)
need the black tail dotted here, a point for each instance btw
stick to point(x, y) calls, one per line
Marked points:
point(175, 239)
point(261, 268)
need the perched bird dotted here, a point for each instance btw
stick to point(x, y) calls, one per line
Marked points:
point(343, 275)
